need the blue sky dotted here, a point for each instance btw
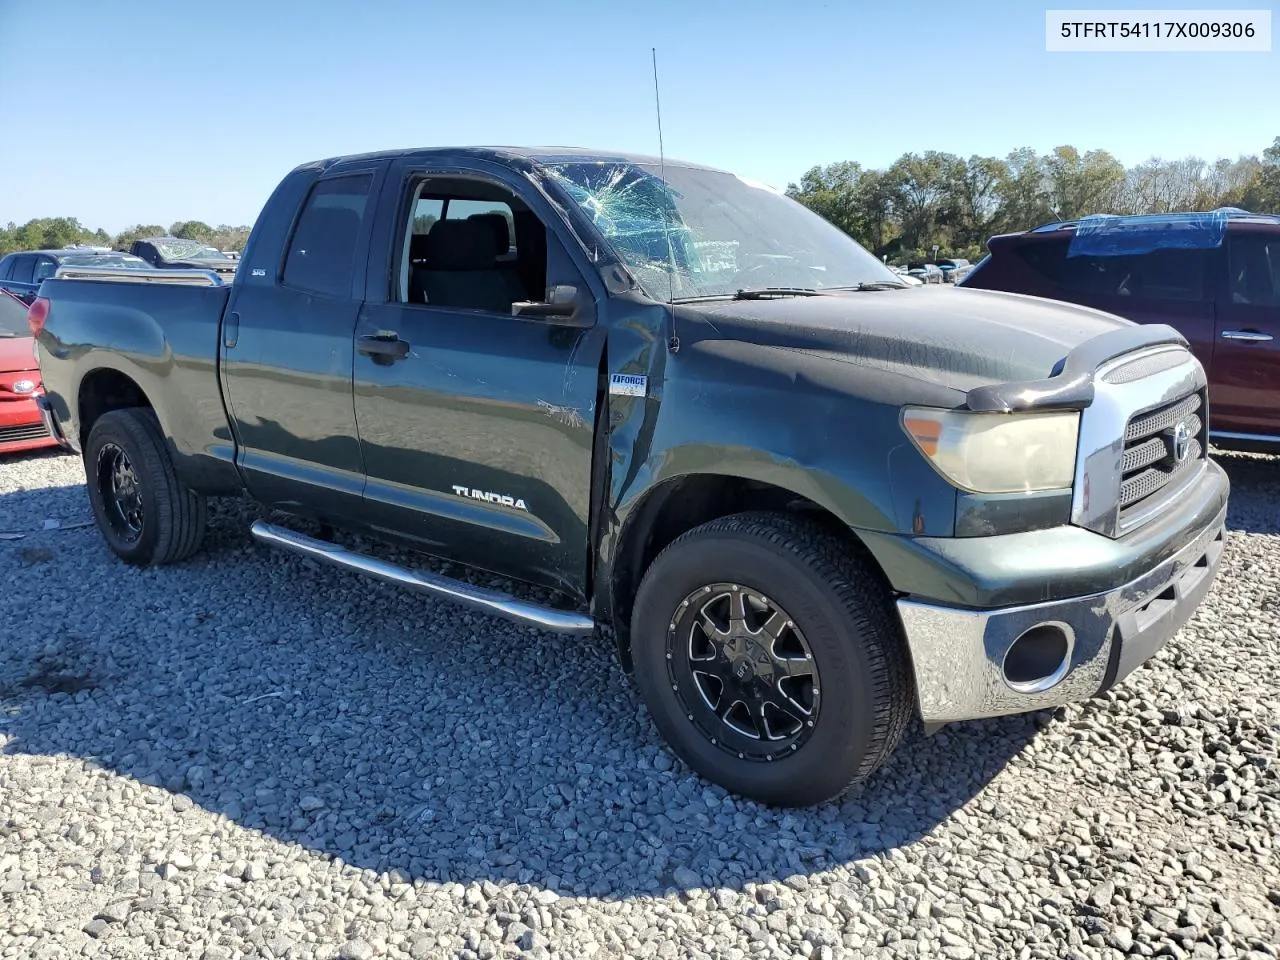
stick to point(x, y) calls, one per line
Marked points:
point(158, 110)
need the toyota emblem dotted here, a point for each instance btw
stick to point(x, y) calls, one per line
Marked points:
point(23, 386)
point(1181, 441)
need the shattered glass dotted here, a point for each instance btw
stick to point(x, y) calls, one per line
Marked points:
point(704, 233)
point(184, 249)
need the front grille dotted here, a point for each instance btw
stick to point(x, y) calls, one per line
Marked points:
point(28, 431)
point(1151, 468)
point(1146, 366)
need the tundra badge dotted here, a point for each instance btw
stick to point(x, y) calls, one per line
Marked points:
point(464, 491)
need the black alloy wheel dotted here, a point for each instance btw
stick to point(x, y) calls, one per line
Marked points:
point(743, 671)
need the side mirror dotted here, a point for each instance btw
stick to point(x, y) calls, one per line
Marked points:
point(565, 305)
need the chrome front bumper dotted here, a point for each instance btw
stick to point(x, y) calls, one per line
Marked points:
point(958, 654)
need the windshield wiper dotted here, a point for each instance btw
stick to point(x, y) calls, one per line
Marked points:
point(873, 285)
point(766, 293)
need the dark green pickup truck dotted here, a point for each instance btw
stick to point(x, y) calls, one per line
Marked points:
point(807, 502)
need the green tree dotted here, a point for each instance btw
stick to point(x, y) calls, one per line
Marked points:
point(1077, 186)
point(125, 238)
point(830, 192)
point(925, 194)
point(979, 204)
point(1023, 191)
point(1263, 194)
point(192, 230)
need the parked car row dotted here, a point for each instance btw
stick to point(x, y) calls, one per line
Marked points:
point(22, 273)
point(925, 272)
point(1213, 276)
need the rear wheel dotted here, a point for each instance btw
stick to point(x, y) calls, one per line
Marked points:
point(143, 511)
point(770, 658)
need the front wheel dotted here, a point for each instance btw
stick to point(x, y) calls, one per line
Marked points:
point(770, 658)
point(143, 511)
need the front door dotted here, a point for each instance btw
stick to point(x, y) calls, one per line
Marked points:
point(476, 426)
point(1244, 381)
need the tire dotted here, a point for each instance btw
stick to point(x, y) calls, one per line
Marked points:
point(815, 606)
point(158, 520)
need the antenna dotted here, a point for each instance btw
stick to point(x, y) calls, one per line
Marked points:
point(673, 344)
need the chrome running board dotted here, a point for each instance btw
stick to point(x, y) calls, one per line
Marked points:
point(492, 602)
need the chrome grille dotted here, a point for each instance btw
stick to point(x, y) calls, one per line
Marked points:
point(1150, 464)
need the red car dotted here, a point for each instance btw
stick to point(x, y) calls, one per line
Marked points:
point(21, 425)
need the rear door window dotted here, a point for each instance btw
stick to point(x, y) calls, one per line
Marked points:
point(1156, 275)
point(321, 255)
point(22, 267)
point(1254, 270)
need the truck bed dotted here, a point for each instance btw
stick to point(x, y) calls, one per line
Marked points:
point(115, 334)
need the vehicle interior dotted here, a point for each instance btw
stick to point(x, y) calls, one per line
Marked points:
point(471, 244)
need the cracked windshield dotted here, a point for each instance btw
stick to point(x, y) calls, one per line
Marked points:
point(706, 234)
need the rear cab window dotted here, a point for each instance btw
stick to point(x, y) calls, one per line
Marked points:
point(321, 252)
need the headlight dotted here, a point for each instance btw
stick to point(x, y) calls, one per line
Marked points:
point(997, 452)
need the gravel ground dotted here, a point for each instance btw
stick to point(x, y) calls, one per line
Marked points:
point(250, 756)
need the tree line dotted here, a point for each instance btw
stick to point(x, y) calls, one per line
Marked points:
point(54, 233)
point(929, 198)
point(901, 212)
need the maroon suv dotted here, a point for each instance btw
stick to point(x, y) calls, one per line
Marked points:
point(1214, 276)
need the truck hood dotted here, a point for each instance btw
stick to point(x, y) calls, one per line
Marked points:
point(959, 338)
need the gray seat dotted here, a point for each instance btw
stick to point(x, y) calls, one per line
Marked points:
point(460, 269)
point(507, 263)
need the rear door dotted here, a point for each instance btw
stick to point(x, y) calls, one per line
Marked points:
point(1244, 382)
point(287, 354)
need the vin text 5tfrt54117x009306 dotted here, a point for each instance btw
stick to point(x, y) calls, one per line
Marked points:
point(808, 501)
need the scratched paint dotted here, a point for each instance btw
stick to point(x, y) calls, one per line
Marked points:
point(569, 416)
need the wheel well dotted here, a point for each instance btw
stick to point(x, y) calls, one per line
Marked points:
point(102, 391)
point(680, 505)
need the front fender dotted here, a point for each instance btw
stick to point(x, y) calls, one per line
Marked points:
point(828, 432)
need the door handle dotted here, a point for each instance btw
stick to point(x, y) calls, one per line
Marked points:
point(383, 347)
point(231, 330)
point(1248, 336)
